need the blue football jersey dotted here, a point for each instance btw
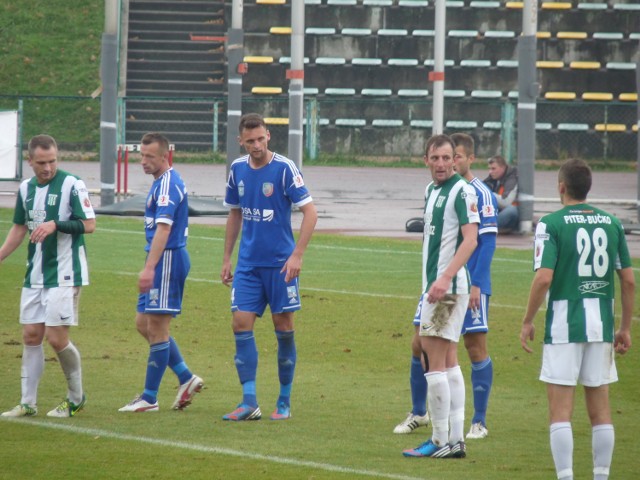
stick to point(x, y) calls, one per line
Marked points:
point(265, 196)
point(167, 202)
point(480, 268)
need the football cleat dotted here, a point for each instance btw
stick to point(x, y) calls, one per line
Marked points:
point(22, 410)
point(429, 449)
point(243, 412)
point(282, 412)
point(139, 405)
point(186, 392)
point(411, 423)
point(67, 408)
point(478, 430)
point(458, 450)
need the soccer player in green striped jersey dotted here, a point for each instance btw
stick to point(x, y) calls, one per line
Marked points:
point(577, 251)
point(54, 210)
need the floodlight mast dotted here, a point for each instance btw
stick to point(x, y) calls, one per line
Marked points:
point(235, 56)
point(296, 83)
point(437, 75)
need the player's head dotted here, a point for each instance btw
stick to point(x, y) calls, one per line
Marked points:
point(254, 137)
point(154, 154)
point(463, 155)
point(439, 157)
point(43, 157)
point(574, 179)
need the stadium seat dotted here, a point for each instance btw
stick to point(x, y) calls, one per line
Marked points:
point(383, 122)
point(454, 93)
point(266, 90)
point(356, 31)
point(411, 92)
point(475, 63)
point(634, 36)
point(627, 6)
point(592, 6)
point(611, 127)
point(390, 32)
point(608, 35)
point(413, 3)
point(423, 33)
point(585, 65)
point(507, 63)
point(340, 91)
point(571, 35)
point(421, 123)
point(429, 62)
point(543, 126)
point(549, 64)
point(330, 61)
point(271, 2)
point(377, 3)
point(310, 91)
point(462, 124)
point(543, 35)
point(366, 61)
point(320, 31)
point(454, 4)
point(628, 97)
point(499, 34)
point(560, 95)
point(486, 94)
point(276, 121)
point(351, 122)
point(513, 94)
point(342, 2)
point(621, 66)
point(514, 5)
point(597, 96)
point(492, 125)
point(287, 60)
point(573, 127)
point(375, 92)
point(313, 2)
point(634, 128)
point(321, 121)
point(280, 30)
point(463, 33)
point(403, 62)
point(257, 59)
point(484, 4)
point(556, 5)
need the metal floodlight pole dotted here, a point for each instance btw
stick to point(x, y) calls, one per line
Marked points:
point(235, 68)
point(296, 82)
point(638, 138)
point(527, 93)
point(437, 75)
point(108, 102)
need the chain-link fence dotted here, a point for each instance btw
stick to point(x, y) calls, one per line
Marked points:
point(381, 126)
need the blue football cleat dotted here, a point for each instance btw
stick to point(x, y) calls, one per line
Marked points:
point(429, 449)
point(243, 412)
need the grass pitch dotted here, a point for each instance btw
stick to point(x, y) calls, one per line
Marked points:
point(353, 336)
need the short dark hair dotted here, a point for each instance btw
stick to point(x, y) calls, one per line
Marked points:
point(576, 176)
point(155, 137)
point(43, 141)
point(249, 121)
point(465, 141)
point(438, 141)
point(497, 159)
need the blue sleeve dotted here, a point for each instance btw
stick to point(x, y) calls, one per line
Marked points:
point(481, 269)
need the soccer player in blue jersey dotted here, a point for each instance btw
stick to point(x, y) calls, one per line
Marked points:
point(578, 251)
point(161, 282)
point(475, 326)
point(261, 189)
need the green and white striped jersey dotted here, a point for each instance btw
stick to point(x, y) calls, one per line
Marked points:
point(61, 260)
point(448, 206)
point(584, 246)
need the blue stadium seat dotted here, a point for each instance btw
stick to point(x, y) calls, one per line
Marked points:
point(330, 61)
point(287, 60)
point(393, 32)
point(342, 2)
point(321, 121)
point(627, 6)
point(492, 125)
point(592, 6)
point(486, 94)
point(499, 34)
point(377, 3)
point(621, 66)
point(454, 4)
point(320, 31)
point(454, 93)
point(310, 91)
point(423, 33)
point(507, 63)
point(313, 2)
point(463, 33)
point(484, 4)
point(543, 126)
point(608, 35)
point(413, 3)
point(475, 63)
point(429, 62)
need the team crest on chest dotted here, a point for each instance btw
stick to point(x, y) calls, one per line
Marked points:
point(51, 199)
point(267, 189)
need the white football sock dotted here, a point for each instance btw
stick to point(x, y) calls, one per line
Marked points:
point(70, 362)
point(31, 373)
point(456, 415)
point(439, 405)
point(561, 439)
point(602, 442)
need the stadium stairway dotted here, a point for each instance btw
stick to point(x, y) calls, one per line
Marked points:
point(175, 57)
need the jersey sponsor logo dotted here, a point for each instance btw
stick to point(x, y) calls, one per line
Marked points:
point(298, 181)
point(163, 200)
point(52, 198)
point(593, 286)
point(241, 188)
point(267, 189)
point(251, 214)
point(429, 229)
point(267, 215)
point(488, 211)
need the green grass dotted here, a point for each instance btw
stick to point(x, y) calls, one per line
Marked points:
point(351, 387)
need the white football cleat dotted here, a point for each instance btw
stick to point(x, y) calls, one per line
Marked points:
point(186, 392)
point(139, 405)
point(411, 423)
point(478, 430)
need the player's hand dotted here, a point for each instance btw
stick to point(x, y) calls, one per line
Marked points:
point(292, 267)
point(474, 298)
point(225, 274)
point(145, 280)
point(527, 333)
point(438, 289)
point(622, 341)
point(42, 231)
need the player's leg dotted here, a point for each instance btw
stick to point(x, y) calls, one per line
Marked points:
point(158, 360)
point(32, 320)
point(458, 397)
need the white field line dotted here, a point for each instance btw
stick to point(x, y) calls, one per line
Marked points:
point(210, 449)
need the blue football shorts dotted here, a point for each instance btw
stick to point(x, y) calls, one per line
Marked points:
point(168, 284)
point(477, 320)
point(256, 287)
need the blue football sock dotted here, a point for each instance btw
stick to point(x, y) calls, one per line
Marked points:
point(156, 366)
point(246, 361)
point(418, 387)
point(286, 364)
point(481, 381)
point(177, 364)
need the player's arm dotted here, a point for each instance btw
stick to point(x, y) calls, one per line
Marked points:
point(293, 264)
point(622, 340)
point(158, 244)
point(539, 287)
point(232, 231)
point(464, 251)
point(484, 254)
point(14, 239)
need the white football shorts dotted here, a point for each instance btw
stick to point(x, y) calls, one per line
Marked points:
point(52, 306)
